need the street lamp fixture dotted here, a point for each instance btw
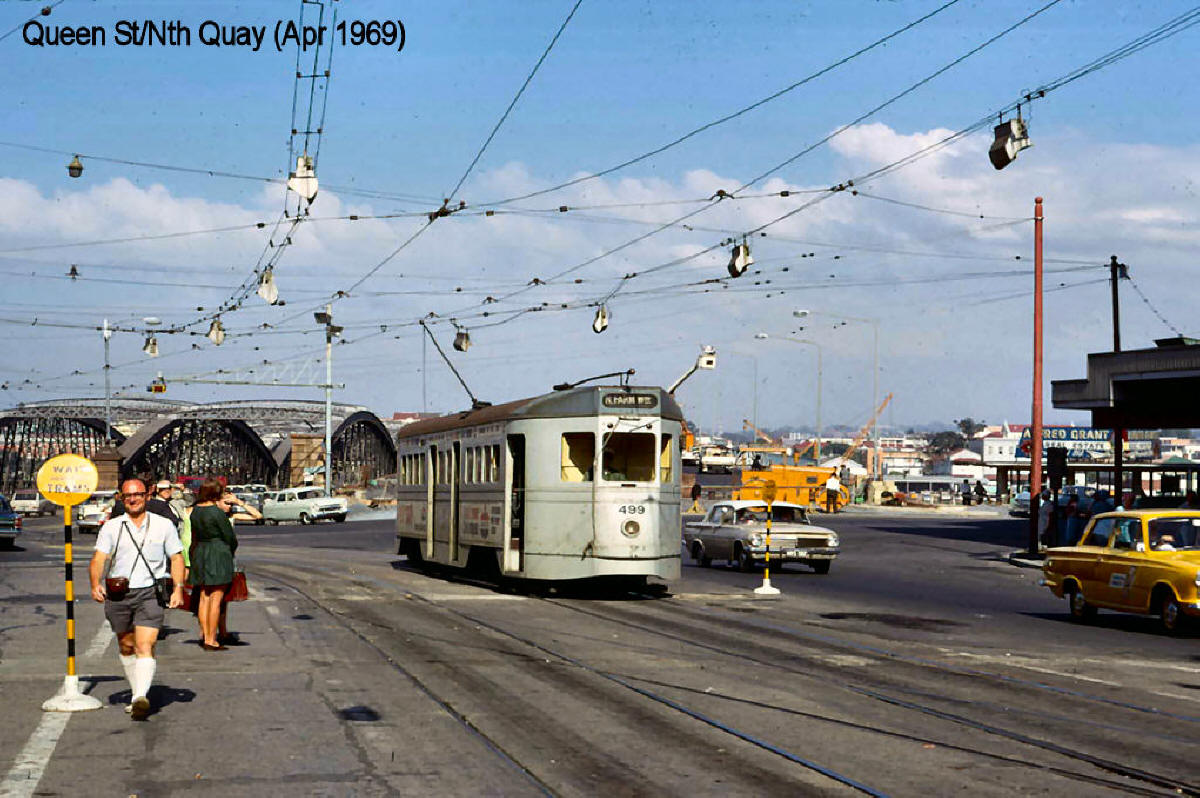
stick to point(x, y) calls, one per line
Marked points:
point(75, 167)
point(762, 336)
point(332, 330)
point(216, 332)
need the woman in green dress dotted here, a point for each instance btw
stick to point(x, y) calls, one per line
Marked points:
point(211, 557)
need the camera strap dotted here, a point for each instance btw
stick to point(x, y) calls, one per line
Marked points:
point(124, 525)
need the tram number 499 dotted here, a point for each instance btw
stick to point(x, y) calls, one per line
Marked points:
point(632, 509)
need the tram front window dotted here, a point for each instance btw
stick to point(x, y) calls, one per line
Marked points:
point(578, 456)
point(629, 457)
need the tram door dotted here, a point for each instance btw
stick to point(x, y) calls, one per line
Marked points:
point(454, 476)
point(514, 553)
point(434, 475)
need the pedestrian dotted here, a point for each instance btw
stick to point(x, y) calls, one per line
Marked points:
point(160, 503)
point(211, 556)
point(833, 491)
point(965, 490)
point(695, 508)
point(1068, 525)
point(980, 492)
point(1101, 503)
point(141, 547)
point(1045, 513)
point(1190, 501)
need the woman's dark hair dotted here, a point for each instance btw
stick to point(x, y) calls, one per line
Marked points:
point(210, 491)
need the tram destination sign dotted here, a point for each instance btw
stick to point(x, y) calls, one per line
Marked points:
point(625, 401)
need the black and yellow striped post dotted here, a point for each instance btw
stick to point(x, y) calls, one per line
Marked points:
point(67, 480)
point(768, 493)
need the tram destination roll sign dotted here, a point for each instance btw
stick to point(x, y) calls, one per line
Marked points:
point(627, 401)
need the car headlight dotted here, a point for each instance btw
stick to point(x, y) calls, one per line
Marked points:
point(756, 540)
point(834, 541)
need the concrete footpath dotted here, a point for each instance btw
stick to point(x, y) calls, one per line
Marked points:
point(301, 707)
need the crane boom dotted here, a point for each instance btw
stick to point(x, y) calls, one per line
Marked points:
point(759, 433)
point(866, 430)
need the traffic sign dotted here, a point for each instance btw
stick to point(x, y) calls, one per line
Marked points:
point(67, 479)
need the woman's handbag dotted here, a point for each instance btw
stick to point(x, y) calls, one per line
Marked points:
point(237, 588)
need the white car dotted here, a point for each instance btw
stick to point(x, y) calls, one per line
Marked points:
point(306, 505)
point(91, 514)
point(736, 530)
point(30, 502)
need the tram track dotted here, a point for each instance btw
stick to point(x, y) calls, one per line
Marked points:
point(587, 761)
point(1156, 783)
point(1177, 786)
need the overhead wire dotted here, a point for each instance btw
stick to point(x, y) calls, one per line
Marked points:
point(1153, 309)
point(44, 12)
point(504, 116)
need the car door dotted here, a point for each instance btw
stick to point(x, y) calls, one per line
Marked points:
point(1116, 567)
point(717, 542)
point(1084, 558)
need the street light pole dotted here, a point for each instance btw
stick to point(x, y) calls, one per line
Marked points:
point(820, 371)
point(331, 330)
point(107, 387)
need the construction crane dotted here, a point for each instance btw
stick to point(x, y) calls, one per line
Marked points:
point(759, 433)
point(866, 430)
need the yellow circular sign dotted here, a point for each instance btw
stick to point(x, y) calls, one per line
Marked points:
point(67, 479)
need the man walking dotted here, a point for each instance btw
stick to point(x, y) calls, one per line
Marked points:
point(160, 502)
point(141, 545)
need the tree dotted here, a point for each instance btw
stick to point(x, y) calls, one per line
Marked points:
point(945, 442)
point(969, 426)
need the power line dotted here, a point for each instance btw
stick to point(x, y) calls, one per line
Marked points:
point(453, 193)
point(44, 12)
point(740, 112)
point(1153, 309)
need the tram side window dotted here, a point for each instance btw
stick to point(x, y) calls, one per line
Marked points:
point(664, 459)
point(578, 456)
point(629, 457)
point(469, 460)
point(493, 463)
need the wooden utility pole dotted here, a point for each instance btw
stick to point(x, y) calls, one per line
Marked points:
point(1116, 272)
point(1035, 433)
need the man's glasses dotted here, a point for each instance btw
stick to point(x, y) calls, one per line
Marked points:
point(133, 495)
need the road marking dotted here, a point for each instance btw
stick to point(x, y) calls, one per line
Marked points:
point(22, 780)
point(104, 636)
point(480, 597)
point(272, 610)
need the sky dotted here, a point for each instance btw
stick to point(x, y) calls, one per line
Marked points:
point(184, 148)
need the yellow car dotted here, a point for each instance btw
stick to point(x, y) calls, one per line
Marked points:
point(1143, 561)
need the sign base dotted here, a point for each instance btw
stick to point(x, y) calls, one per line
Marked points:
point(766, 590)
point(69, 699)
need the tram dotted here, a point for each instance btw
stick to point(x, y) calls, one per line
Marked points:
point(579, 483)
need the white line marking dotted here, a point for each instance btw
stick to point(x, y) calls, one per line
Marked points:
point(104, 636)
point(272, 610)
point(22, 780)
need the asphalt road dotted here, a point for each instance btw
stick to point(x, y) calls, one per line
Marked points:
point(923, 663)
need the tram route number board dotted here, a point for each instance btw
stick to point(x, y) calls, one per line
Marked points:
point(643, 401)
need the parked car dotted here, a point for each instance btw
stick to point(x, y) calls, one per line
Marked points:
point(91, 513)
point(306, 505)
point(1019, 506)
point(10, 523)
point(31, 502)
point(1142, 561)
point(736, 531)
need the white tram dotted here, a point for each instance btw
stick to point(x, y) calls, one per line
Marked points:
point(573, 484)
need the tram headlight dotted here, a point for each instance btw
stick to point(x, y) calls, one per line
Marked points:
point(631, 528)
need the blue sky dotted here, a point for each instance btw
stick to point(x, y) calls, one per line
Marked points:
point(1112, 153)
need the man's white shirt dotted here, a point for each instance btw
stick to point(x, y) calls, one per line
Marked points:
point(157, 537)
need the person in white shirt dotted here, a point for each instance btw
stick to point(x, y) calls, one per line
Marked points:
point(833, 488)
point(135, 616)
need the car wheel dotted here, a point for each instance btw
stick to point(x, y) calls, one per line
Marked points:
point(698, 555)
point(745, 559)
point(304, 519)
point(341, 519)
point(1081, 610)
point(1170, 616)
point(258, 522)
point(821, 566)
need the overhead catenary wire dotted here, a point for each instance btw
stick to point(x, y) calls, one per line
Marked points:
point(1153, 309)
point(43, 12)
point(504, 116)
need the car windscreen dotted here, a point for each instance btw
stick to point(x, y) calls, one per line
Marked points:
point(25, 495)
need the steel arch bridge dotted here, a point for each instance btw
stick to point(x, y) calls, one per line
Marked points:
point(245, 441)
point(27, 442)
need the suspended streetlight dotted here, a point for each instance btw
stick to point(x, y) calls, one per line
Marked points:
point(151, 346)
point(75, 167)
point(267, 288)
point(600, 323)
point(304, 180)
point(74, 273)
point(462, 340)
point(740, 259)
point(1011, 137)
point(216, 332)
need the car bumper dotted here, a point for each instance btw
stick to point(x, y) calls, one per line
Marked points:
point(9, 532)
point(797, 555)
point(317, 515)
